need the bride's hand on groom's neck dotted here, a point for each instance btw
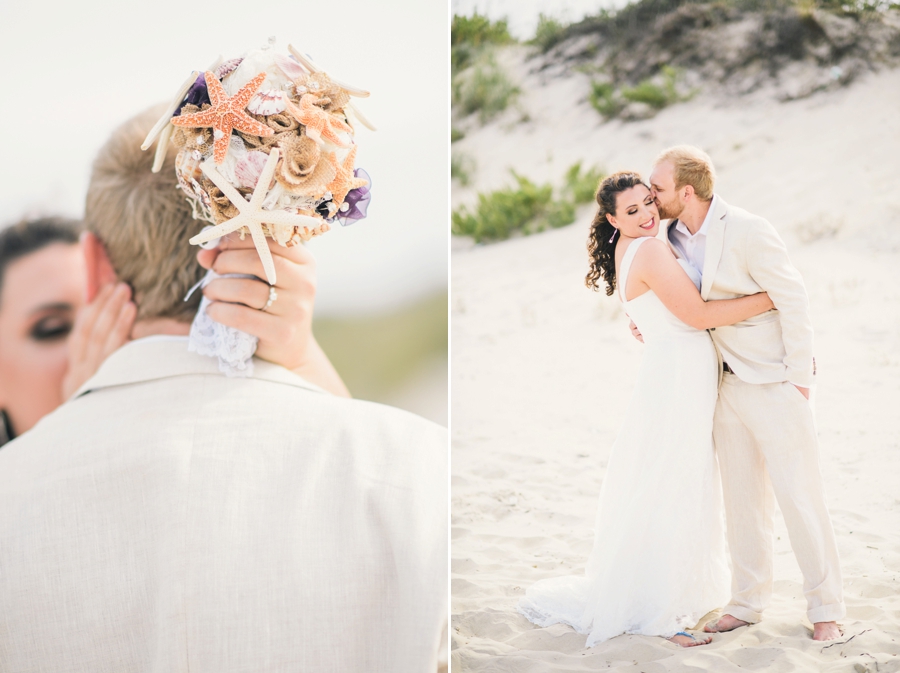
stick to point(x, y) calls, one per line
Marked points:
point(101, 327)
point(284, 329)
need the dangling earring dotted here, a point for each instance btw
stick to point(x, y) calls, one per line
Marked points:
point(615, 231)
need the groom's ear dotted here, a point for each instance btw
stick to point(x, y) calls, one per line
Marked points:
point(688, 192)
point(98, 268)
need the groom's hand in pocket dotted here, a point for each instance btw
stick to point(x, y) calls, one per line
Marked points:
point(636, 333)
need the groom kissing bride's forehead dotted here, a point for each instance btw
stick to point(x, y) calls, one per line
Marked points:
point(763, 429)
point(728, 364)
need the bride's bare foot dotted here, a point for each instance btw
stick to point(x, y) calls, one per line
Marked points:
point(686, 640)
point(724, 623)
point(826, 631)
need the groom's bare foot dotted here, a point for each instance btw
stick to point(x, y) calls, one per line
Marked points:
point(689, 641)
point(724, 623)
point(826, 631)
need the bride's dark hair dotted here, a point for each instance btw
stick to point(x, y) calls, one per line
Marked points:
point(601, 245)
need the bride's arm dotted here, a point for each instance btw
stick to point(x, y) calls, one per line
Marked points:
point(656, 267)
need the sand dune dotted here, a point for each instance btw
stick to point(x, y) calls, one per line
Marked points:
point(542, 369)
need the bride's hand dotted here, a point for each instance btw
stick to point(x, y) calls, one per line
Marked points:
point(100, 328)
point(635, 332)
point(285, 328)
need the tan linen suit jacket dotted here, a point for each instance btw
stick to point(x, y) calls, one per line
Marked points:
point(169, 519)
point(745, 255)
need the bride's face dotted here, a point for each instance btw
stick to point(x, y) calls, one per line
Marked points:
point(40, 295)
point(636, 213)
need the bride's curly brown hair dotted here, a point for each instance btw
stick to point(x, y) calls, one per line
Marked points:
point(601, 245)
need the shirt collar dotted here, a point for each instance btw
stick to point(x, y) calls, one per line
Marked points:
point(681, 229)
point(155, 358)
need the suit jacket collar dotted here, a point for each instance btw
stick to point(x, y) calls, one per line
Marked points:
point(715, 242)
point(153, 359)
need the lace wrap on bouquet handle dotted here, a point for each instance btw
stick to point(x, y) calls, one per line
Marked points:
point(231, 346)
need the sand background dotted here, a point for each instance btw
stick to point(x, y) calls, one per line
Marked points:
point(542, 368)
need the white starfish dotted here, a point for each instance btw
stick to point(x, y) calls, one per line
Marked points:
point(251, 213)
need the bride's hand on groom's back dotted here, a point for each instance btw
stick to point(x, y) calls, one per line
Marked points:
point(635, 332)
point(284, 329)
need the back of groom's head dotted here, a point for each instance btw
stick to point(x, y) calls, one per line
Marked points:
point(691, 166)
point(144, 222)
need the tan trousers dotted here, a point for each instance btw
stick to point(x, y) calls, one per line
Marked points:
point(766, 444)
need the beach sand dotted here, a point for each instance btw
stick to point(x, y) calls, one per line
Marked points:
point(542, 370)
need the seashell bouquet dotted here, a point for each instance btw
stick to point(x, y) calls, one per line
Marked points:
point(266, 147)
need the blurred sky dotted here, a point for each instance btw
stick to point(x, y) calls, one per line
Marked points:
point(75, 70)
point(523, 14)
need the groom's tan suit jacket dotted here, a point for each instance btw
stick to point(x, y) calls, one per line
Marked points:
point(170, 519)
point(745, 255)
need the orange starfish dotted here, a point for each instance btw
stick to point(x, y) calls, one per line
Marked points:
point(318, 123)
point(226, 114)
point(344, 181)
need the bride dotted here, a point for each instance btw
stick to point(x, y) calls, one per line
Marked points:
point(658, 563)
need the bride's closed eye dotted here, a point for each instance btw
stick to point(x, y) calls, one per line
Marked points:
point(50, 328)
point(633, 209)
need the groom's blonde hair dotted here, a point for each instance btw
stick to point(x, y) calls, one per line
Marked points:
point(144, 221)
point(692, 167)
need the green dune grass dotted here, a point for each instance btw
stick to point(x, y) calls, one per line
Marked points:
point(377, 354)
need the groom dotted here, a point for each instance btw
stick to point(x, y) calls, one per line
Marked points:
point(764, 432)
point(169, 518)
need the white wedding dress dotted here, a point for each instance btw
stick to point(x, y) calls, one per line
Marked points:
point(658, 563)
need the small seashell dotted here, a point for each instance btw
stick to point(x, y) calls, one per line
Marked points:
point(227, 67)
point(201, 194)
point(182, 183)
point(249, 168)
point(289, 66)
point(267, 102)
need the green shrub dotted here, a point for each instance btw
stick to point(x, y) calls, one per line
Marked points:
point(461, 168)
point(456, 134)
point(478, 30)
point(646, 92)
point(604, 100)
point(499, 213)
point(525, 208)
point(548, 34)
point(484, 89)
point(581, 187)
point(557, 214)
point(609, 101)
point(469, 35)
point(656, 95)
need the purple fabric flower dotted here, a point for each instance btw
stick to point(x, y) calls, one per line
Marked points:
point(196, 95)
point(357, 201)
